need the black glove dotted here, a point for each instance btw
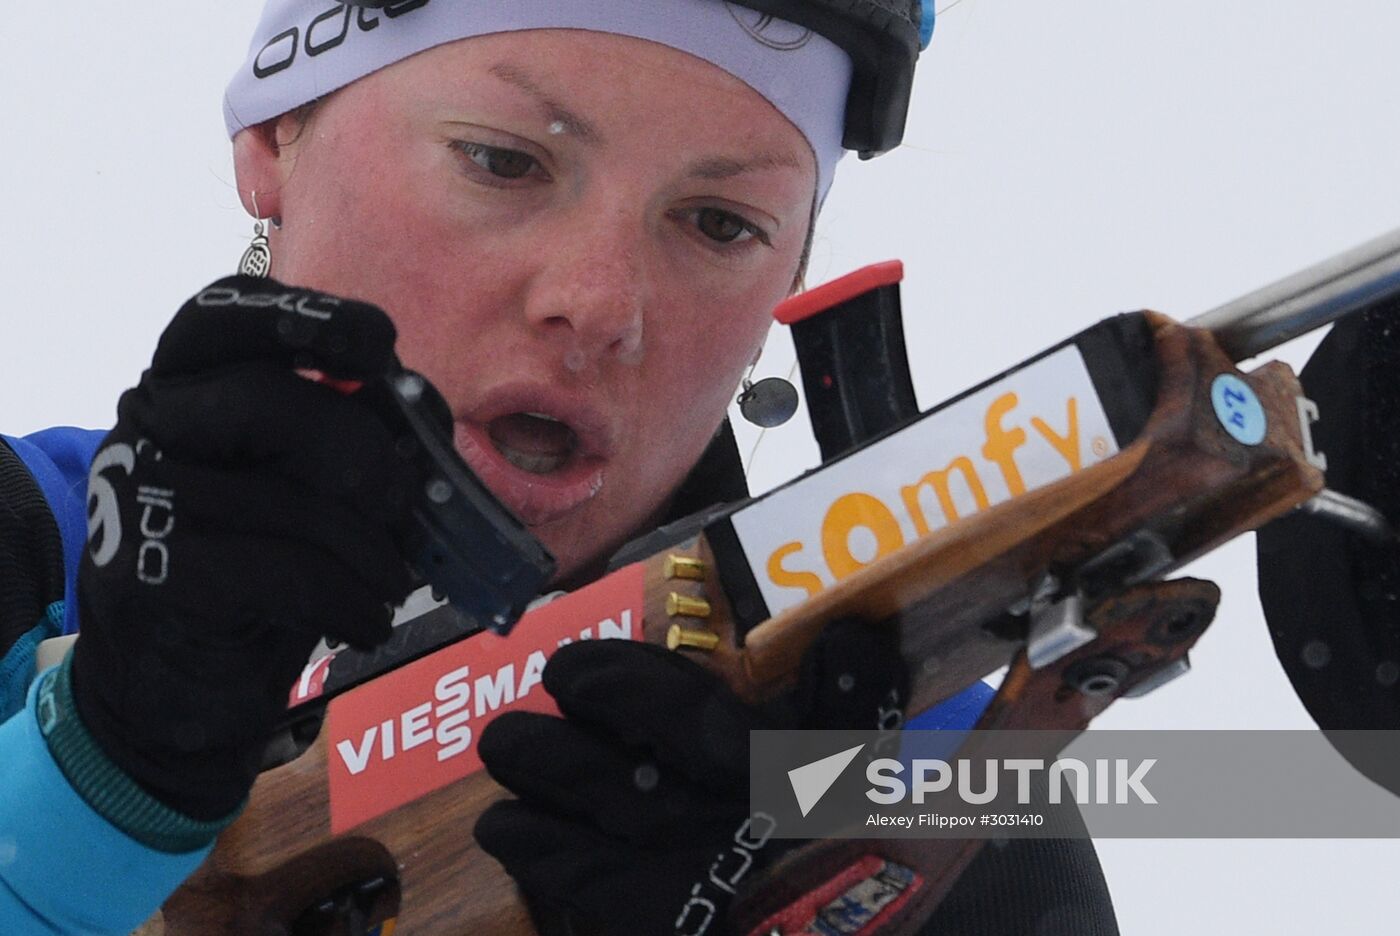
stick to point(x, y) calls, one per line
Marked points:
point(627, 805)
point(237, 513)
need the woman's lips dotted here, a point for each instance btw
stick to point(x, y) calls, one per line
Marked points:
point(535, 498)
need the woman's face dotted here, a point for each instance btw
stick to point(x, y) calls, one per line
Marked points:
point(580, 237)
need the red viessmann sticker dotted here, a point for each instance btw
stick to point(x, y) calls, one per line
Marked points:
point(414, 729)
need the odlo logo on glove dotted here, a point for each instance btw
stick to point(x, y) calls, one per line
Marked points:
point(105, 516)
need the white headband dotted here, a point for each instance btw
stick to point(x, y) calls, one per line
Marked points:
point(303, 50)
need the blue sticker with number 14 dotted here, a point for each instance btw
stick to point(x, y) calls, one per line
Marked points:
point(1238, 409)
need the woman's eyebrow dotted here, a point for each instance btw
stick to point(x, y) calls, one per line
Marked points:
point(723, 167)
point(554, 112)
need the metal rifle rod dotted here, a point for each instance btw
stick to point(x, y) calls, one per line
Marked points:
point(1321, 294)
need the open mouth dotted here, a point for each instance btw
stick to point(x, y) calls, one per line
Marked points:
point(543, 456)
point(533, 442)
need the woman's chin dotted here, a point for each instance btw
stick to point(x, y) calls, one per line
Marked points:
point(580, 553)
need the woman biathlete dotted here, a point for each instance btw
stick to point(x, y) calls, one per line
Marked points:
point(576, 217)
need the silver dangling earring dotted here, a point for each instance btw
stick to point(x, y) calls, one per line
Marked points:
point(768, 403)
point(257, 259)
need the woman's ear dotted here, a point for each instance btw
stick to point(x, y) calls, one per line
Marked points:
point(799, 279)
point(258, 169)
point(263, 157)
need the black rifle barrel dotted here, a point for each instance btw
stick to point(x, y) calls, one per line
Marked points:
point(1317, 296)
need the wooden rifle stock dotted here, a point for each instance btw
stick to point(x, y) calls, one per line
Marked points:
point(1181, 488)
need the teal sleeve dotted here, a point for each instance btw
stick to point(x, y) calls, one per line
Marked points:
point(64, 869)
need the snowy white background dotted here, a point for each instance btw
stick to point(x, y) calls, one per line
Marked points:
point(1064, 161)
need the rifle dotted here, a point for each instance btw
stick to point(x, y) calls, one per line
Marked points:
point(1166, 450)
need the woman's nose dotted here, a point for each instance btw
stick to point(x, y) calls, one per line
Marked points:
point(590, 299)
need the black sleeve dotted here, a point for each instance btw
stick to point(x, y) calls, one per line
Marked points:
point(31, 551)
point(1331, 598)
point(1029, 887)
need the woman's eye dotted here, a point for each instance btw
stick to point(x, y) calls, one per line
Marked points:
point(725, 227)
point(502, 163)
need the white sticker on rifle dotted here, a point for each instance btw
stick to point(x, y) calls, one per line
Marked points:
point(1033, 427)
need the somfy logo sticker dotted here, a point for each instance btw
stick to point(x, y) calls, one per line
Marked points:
point(769, 30)
point(104, 515)
point(1028, 429)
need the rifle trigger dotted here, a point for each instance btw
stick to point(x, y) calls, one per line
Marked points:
point(1139, 557)
point(1349, 513)
point(1057, 628)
